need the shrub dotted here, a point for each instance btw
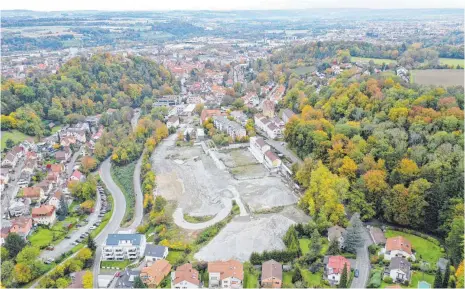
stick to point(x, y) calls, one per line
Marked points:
point(375, 280)
point(373, 248)
point(388, 280)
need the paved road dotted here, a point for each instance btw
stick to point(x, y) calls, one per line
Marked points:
point(113, 225)
point(66, 245)
point(69, 168)
point(138, 210)
point(12, 190)
point(362, 263)
point(284, 150)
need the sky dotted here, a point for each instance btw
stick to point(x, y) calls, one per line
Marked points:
point(111, 5)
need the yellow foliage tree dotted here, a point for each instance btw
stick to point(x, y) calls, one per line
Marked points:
point(348, 168)
point(87, 280)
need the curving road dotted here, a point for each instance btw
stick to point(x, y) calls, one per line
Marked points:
point(119, 203)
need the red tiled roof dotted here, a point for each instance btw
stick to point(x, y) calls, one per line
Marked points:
point(44, 210)
point(399, 243)
point(337, 264)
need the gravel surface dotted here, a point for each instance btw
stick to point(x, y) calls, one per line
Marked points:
point(243, 236)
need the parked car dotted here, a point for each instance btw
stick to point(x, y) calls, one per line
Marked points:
point(356, 273)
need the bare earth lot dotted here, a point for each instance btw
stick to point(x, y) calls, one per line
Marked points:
point(190, 177)
point(440, 77)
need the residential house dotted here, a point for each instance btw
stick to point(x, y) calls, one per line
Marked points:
point(397, 247)
point(29, 166)
point(62, 156)
point(173, 121)
point(258, 147)
point(124, 246)
point(77, 176)
point(271, 160)
point(33, 193)
point(240, 117)
point(55, 199)
point(399, 269)
point(13, 156)
point(377, 235)
point(44, 215)
point(208, 113)
point(335, 268)
point(272, 130)
point(4, 178)
point(287, 114)
point(200, 134)
point(231, 128)
point(225, 274)
point(188, 110)
point(185, 277)
point(19, 207)
point(126, 280)
point(268, 108)
point(4, 232)
point(155, 273)
point(46, 185)
point(336, 233)
point(55, 168)
point(23, 180)
point(272, 274)
point(155, 252)
point(66, 141)
point(21, 226)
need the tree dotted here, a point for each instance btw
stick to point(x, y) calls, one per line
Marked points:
point(334, 247)
point(87, 280)
point(297, 276)
point(91, 243)
point(88, 164)
point(459, 274)
point(27, 255)
point(63, 210)
point(438, 279)
point(343, 281)
point(14, 243)
point(315, 245)
point(455, 240)
point(138, 283)
point(62, 283)
point(9, 143)
point(7, 270)
point(84, 254)
point(445, 281)
point(22, 273)
point(354, 235)
point(4, 253)
point(188, 137)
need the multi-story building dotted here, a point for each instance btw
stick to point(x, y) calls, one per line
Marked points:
point(44, 215)
point(185, 277)
point(124, 246)
point(232, 128)
point(225, 274)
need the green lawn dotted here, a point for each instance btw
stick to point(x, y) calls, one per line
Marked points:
point(14, 135)
point(287, 279)
point(197, 219)
point(301, 70)
point(304, 242)
point(251, 280)
point(452, 61)
point(56, 128)
point(118, 264)
point(312, 279)
point(173, 256)
point(41, 238)
point(425, 249)
point(378, 61)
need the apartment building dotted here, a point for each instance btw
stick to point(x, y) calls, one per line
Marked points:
point(124, 246)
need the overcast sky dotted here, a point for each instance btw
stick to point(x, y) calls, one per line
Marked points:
point(55, 5)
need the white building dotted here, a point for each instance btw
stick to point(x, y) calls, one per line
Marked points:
point(398, 247)
point(124, 246)
point(399, 269)
point(225, 274)
point(258, 147)
point(231, 128)
point(153, 253)
point(44, 215)
point(185, 277)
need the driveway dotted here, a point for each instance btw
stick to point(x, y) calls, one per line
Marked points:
point(69, 167)
point(362, 263)
point(66, 245)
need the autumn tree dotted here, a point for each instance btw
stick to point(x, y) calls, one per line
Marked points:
point(87, 280)
point(88, 164)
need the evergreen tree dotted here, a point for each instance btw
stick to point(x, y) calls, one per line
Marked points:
point(14, 243)
point(91, 244)
point(297, 276)
point(438, 279)
point(138, 283)
point(63, 211)
point(188, 137)
point(445, 282)
point(315, 245)
point(334, 248)
point(343, 281)
point(354, 235)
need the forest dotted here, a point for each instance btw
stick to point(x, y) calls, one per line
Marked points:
point(82, 87)
point(383, 149)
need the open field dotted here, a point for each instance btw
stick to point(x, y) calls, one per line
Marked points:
point(424, 249)
point(440, 77)
point(14, 135)
point(378, 61)
point(452, 61)
point(301, 70)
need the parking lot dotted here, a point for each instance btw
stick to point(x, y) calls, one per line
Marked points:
point(83, 229)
